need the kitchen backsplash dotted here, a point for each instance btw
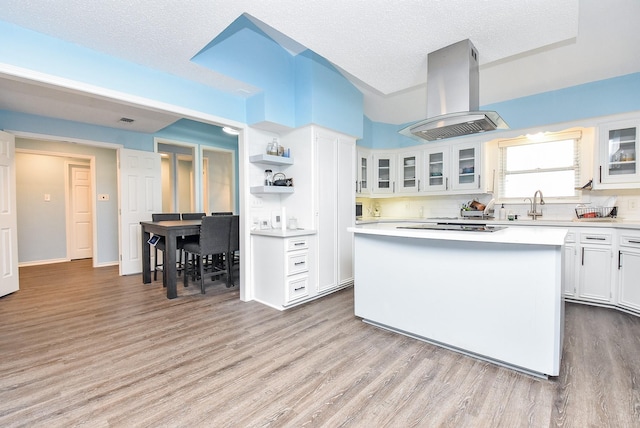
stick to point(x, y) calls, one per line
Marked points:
point(628, 203)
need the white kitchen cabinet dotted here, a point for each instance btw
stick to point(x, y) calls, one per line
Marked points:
point(436, 165)
point(466, 173)
point(570, 284)
point(384, 171)
point(452, 168)
point(409, 171)
point(335, 209)
point(595, 272)
point(363, 172)
point(629, 270)
point(617, 150)
point(283, 269)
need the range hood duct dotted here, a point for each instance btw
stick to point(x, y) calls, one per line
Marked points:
point(453, 96)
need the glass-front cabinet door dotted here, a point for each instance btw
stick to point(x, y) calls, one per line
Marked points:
point(618, 153)
point(466, 163)
point(436, 166)
point(384, 171)
point(363, 171)
point(409, 172)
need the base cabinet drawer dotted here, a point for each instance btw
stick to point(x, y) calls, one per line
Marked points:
point(297, 287)
point(297, 263)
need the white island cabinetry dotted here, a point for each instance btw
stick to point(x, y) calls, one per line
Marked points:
point(473, 292)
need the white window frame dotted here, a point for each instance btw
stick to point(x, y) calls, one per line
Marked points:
point(576, 136)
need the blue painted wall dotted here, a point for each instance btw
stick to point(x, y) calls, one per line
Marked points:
point(325, 97)
point(601, 98)
point(35, 51)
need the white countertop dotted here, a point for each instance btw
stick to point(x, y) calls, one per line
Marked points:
point(615, 223)
point(510, 235)
point(279, 233)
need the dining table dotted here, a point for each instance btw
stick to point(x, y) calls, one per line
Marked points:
point(170, 230)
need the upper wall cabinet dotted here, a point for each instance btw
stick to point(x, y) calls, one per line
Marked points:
point(363, 172)
point(428, 169)
point(467, 174)
point(453, 168)
point(618, 148)
point(384, 172)
point(409, 171)
point(437, 163)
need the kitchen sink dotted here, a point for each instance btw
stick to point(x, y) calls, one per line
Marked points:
point(455, 227)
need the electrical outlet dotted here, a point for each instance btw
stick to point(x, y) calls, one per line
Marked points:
point(633, 204)
point(47, 197)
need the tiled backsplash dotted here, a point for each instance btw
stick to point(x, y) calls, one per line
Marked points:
point(628, 203)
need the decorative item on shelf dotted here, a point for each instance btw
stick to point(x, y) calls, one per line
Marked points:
point(279, 179)
point(272, 147)
point(268, 177)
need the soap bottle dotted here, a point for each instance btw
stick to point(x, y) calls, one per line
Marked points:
point(503, 213)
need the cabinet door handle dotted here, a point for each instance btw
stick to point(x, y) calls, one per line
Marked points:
point(600, 179)
point(596, 238)
point(478, 181)
point(394, 187)
point(299, 288)
point(299, 263)
point(633, 242)
point(418, 185)
point(298, 243)
point(582, 256)
point(446, 185)
point(619, 260)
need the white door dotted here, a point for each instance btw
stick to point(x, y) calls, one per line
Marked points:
point(80, 212)
point(140, 195)
point(9, 281)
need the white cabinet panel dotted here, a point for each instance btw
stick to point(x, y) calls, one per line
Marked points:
point(629, 270)
point(363, 171)
point(409, 171)
point(618, 150)
point(384, 171)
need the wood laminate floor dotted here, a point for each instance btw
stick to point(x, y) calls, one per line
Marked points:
point(85, 347)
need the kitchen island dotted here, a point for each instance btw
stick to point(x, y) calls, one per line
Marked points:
point(495, 295)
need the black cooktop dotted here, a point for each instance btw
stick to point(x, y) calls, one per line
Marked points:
point(455, 226)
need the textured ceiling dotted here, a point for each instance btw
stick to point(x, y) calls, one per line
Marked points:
point(381, 43)
point(525, 46)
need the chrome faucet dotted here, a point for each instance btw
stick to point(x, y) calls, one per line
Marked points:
point(533, 211)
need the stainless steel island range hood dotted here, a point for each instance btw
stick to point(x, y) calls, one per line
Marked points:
point(453, 96)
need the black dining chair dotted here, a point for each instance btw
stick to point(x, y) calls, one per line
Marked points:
point(160, 245)
point(234, 244)
point(222, 213)
point(193, 216)
point(213, 240)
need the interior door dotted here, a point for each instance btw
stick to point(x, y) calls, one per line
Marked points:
point(9, 281)
point(80, 204)
point(140, 195)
